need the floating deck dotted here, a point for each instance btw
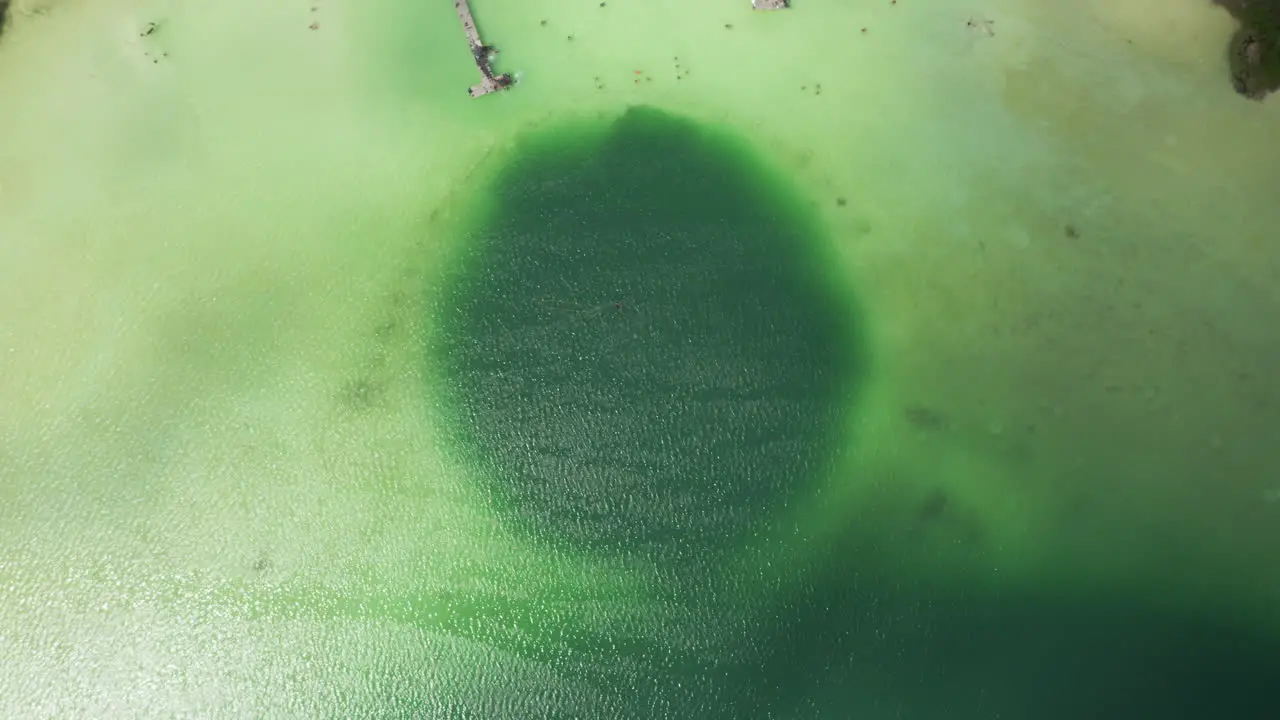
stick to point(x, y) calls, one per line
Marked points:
point(769, 4)
point(483, 55)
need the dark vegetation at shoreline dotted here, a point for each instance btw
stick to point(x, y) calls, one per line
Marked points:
point(1253, 53)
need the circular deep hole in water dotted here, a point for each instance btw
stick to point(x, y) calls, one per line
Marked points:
point(643, 349)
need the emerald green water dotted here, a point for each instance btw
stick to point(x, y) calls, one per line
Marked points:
point(732, 365)
point(646, 359)
point(864, 642)
point(644, 353)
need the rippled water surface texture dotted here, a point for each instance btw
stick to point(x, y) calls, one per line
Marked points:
point(644, 349)
point(869, 360)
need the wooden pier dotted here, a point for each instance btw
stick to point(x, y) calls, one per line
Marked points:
point(482, 54)
point(769, 4)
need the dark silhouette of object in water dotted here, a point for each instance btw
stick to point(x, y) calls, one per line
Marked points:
point(1253, 53)
point(4, 15)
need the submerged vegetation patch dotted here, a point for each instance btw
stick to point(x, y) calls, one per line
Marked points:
point(644, 350)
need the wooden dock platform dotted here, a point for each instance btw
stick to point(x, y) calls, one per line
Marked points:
point(482, 54)
point(769, 4)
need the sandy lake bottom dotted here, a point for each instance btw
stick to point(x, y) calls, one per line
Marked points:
point(882, 359)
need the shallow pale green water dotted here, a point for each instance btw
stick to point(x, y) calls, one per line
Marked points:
point(248, 269)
